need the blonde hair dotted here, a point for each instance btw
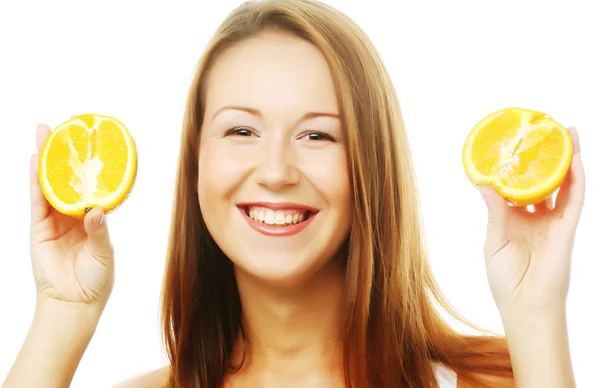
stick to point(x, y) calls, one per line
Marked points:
point(391, 326)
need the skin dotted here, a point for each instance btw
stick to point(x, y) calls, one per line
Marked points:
point(291, 290)
point(287, 285)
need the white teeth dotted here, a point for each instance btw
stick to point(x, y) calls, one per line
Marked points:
point(275, 218)
point(269, 217)
point(279, 218)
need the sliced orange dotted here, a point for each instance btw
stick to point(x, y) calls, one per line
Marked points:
point(88, 161)
point(524, 154)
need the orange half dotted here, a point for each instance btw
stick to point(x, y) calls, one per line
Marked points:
point(86, 162)
point(524, 154)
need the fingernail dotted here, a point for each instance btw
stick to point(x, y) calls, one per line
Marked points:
point(98, 219)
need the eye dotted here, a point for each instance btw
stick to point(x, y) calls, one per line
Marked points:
point(239, 131)
point(318, 135)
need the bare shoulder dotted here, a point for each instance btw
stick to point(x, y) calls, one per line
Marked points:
point(153, 379)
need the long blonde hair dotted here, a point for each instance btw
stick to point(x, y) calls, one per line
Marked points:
point(392, 328)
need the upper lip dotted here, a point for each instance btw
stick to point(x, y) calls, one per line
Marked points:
point(279, 206)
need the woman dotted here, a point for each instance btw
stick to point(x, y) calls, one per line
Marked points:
point(296, 257)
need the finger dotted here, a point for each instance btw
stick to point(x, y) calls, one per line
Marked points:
point(98, 243)
point(497, 226)
point(570, 198)
point(39, 205)
point(41, 134)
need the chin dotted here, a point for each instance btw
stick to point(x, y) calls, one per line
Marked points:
point(278, 269)
point(286, 255)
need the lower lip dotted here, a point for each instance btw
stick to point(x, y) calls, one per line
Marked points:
point(277, 231)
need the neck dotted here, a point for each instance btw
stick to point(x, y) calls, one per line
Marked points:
point(293, 328)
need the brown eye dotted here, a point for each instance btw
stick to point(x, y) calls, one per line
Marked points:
point(317, 136)
point(240, 131)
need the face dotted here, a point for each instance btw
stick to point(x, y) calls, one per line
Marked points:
point(273, 185)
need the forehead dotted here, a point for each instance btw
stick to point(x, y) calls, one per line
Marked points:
point(273, 72)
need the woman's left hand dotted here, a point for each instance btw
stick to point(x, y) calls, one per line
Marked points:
point(528, 255)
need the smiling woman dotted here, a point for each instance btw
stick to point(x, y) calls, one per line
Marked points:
point(296, 256)
point(294, 132)
point(280, 153)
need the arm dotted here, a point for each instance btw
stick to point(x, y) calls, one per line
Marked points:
point(539, 350)
point(54, 346)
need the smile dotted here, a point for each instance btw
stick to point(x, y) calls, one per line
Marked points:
point(277, 219)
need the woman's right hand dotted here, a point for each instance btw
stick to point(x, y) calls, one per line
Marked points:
point(73, 260)
point(73, 267)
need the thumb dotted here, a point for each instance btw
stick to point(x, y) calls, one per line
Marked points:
point(497, 226)
point(99, 244)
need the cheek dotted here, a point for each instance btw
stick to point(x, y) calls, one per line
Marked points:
point(216, 177)
point(220, 167)
point(328, 173)
point(228, 156)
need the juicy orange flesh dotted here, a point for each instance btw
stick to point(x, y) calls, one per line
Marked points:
point(59, 170)
point(519, 149)
point(536, 159)
point(86, 163)
point(488, 142)
point(113, 152)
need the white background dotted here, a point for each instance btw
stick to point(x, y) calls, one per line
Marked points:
point(452, 62)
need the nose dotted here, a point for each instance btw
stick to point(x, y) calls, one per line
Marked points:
point(277, 168)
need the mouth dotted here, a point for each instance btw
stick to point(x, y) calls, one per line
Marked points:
point(277, 219)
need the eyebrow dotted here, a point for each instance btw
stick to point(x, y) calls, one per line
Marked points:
point(258, 113)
